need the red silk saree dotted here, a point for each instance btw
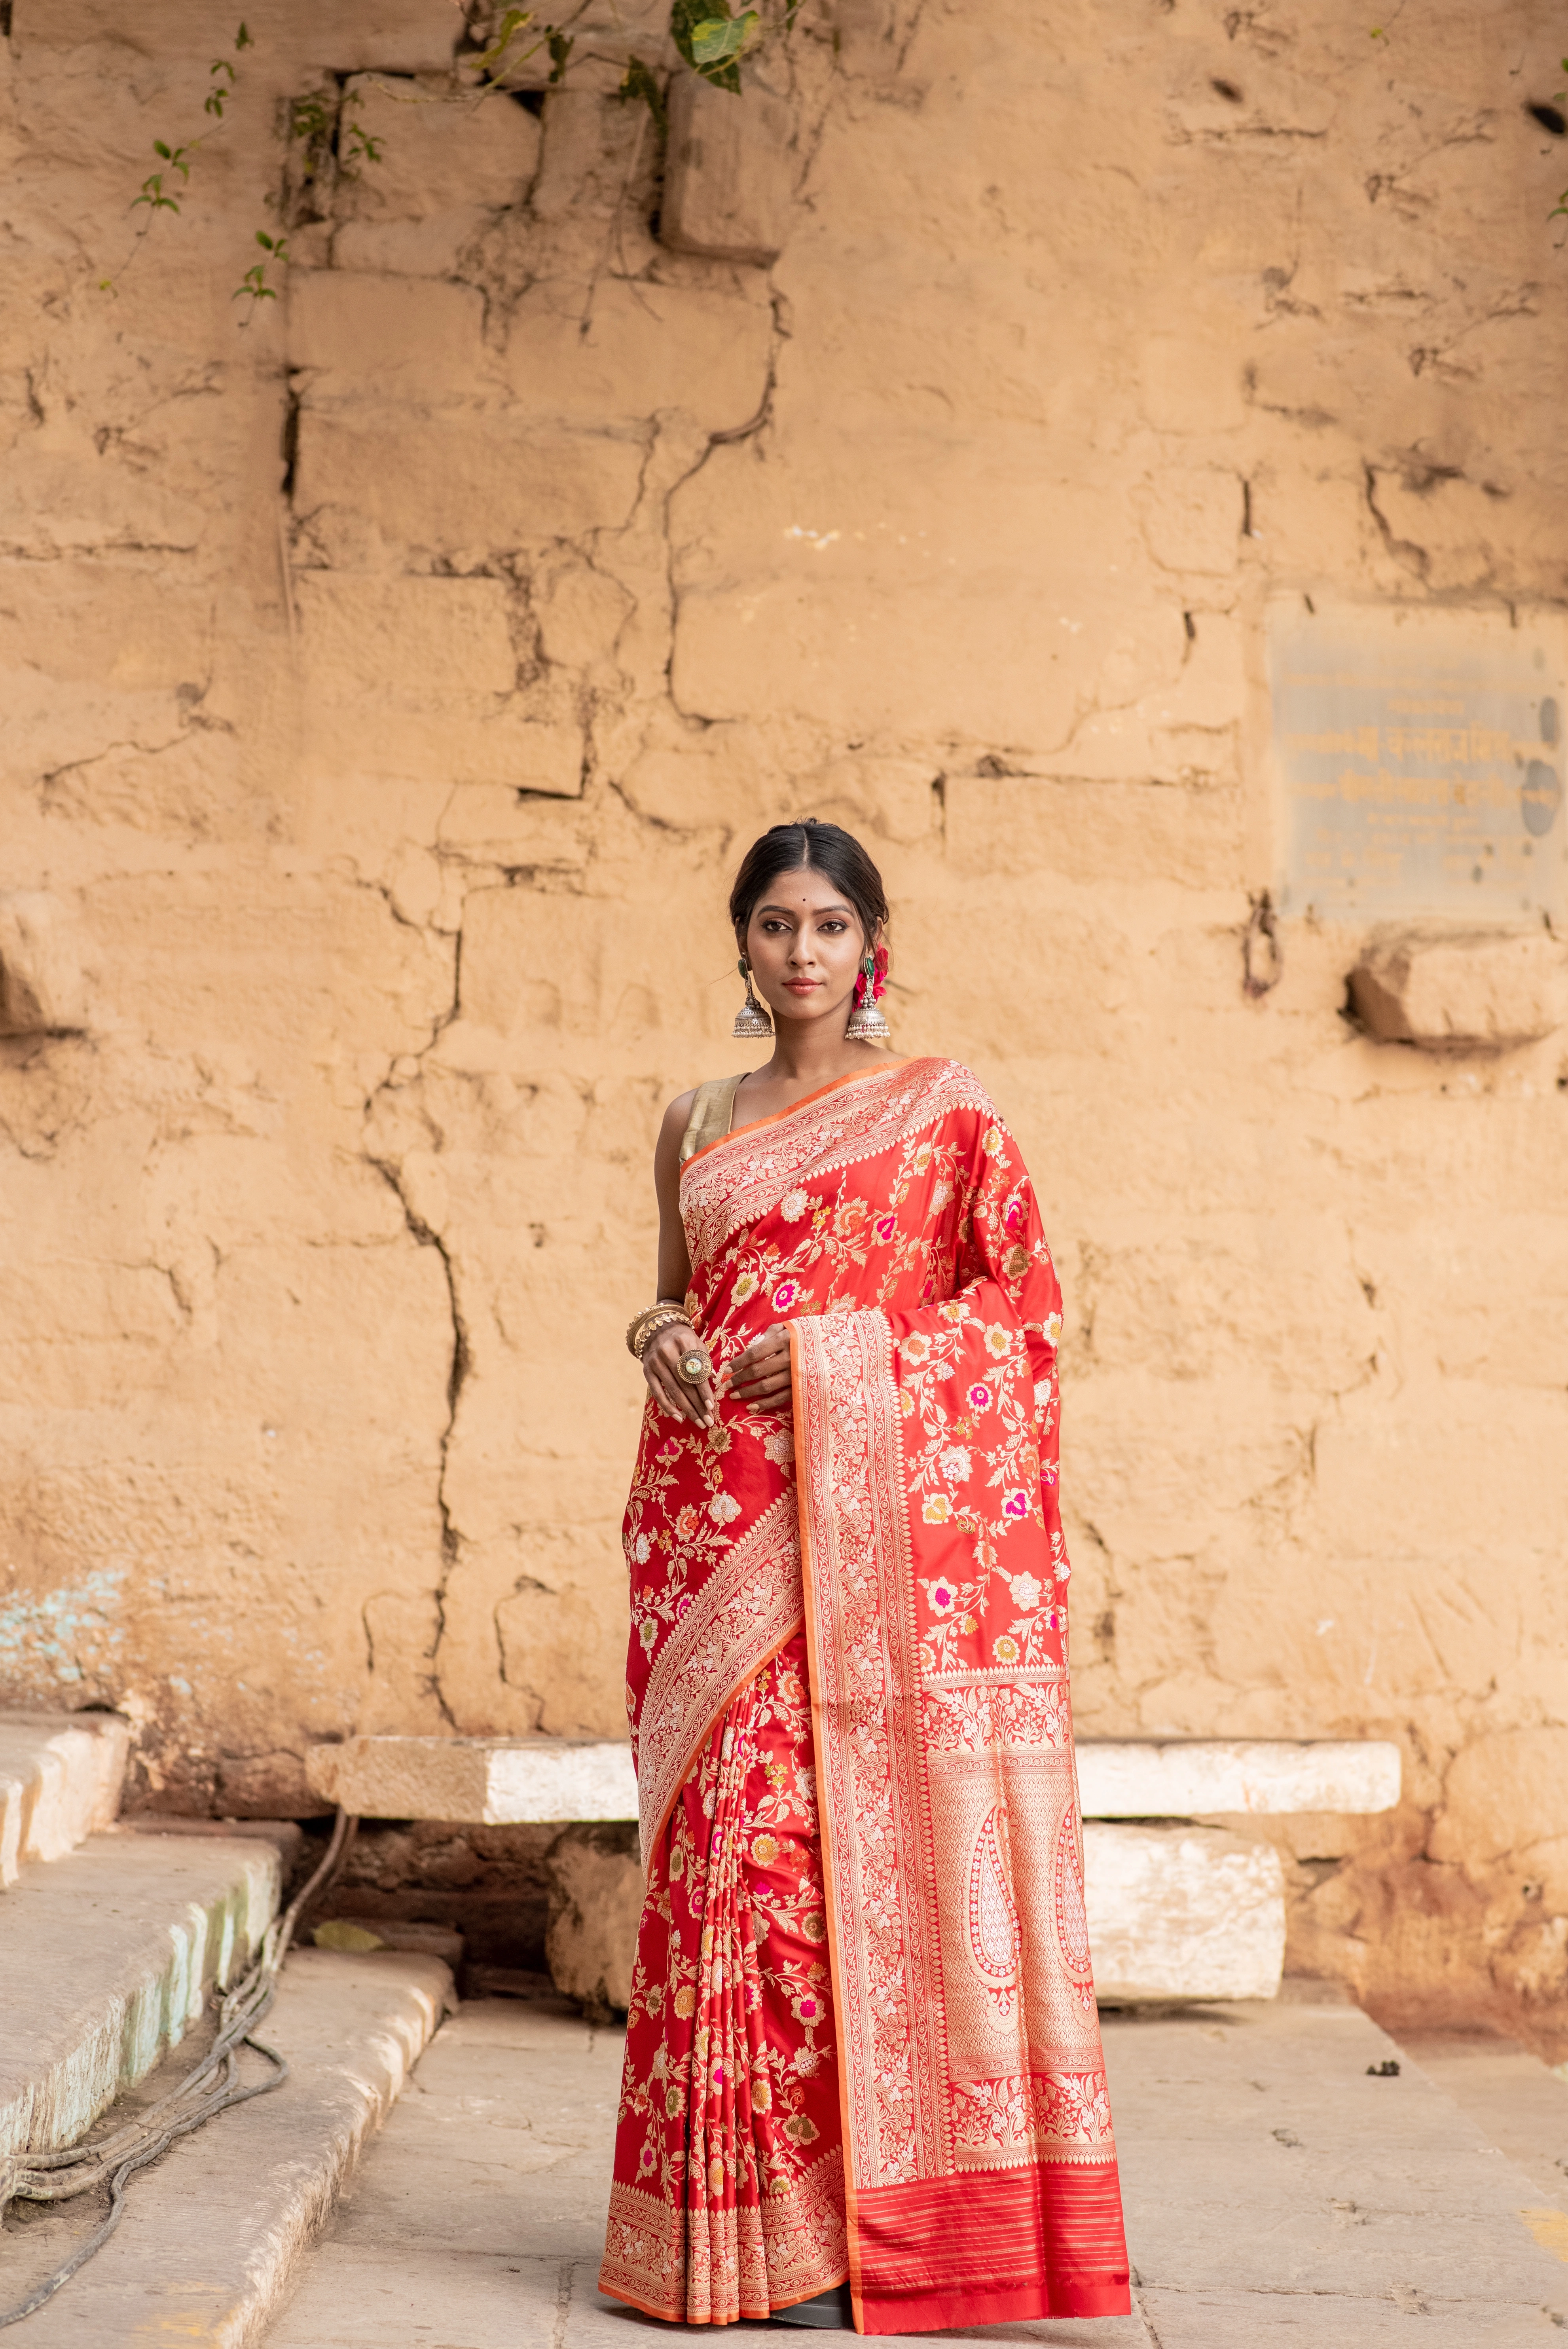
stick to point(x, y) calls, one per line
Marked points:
point(863, 2038)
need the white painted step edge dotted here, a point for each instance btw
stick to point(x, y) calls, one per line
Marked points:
point(60, 1781)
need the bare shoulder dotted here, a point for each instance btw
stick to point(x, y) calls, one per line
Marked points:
point(678, 1117)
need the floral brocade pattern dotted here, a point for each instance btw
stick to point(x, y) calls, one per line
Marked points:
point(862, 1974)
point(729, 2185)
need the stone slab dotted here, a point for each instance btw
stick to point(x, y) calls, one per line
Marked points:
point(212, 2237)
point(60, 1781)
point(1182, 1912)
point(1179, 1778)
point(477, 1781)
point(106, 1956)
point(478, 2216)
point(507, 1781)
point(1461, 991)
point(728, 180)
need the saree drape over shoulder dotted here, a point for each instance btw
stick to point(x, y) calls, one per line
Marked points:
point(862, 2039)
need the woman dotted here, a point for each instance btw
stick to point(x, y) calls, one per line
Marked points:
point(862, 2041)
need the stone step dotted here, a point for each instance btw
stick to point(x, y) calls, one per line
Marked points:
point(209, 2245)
point(106, 1956)
point(507, 1781)
point(60, 1780)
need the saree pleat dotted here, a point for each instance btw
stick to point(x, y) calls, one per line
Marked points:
point(863, 2038)
point(736, 2203)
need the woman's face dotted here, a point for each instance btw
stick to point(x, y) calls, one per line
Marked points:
point(804, 943)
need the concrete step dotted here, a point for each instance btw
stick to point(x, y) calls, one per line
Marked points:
point(212, 2236)
point(60, 1780)
point(106, 1956)
point(1520, 2103)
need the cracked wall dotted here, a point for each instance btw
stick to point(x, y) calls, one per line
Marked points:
point(391, 677)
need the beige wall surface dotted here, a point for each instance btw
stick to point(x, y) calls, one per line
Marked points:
point(390, 674)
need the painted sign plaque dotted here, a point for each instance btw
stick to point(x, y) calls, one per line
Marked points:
point(1418, 762)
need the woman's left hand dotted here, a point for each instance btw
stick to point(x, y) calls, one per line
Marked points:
point(760, 1378)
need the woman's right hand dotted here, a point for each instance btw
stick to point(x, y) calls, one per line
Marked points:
point(661, 1367)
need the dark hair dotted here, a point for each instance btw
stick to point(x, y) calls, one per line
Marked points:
point(810, 847)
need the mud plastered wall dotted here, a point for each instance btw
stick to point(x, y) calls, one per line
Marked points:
point(393, 671)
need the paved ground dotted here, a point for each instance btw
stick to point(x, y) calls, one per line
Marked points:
point(1275, 2193)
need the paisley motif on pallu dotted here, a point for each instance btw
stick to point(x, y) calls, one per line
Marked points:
point(862, 2035)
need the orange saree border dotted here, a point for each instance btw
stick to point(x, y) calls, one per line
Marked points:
point(791, 2247)
point(741, 1176)
point(743, 1614)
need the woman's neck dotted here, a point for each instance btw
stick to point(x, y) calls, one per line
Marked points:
point(801, 1063)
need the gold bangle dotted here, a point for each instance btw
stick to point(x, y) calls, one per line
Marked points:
point(651, 1323)
point(659, 1305)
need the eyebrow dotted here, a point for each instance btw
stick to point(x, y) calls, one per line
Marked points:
point(818, 910)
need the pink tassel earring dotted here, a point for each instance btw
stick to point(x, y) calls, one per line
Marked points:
point(865, 1023)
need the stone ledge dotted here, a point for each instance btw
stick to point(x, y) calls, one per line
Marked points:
point(513, 1781)
point(1175, 1912)
point(60, 1781)
point(1186, 1778)
point(477, 1781)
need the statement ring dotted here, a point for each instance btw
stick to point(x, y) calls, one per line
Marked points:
point(693, 1367)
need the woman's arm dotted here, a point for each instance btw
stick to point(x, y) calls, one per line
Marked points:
point(661, 1353)
point(674, 1264)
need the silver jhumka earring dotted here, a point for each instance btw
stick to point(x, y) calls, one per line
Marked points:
point(865, 1023)
point(751, 1019)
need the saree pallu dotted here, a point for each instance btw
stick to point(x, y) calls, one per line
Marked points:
point(863, 2038)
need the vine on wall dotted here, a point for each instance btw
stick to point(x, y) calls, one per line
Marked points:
point(325, 145)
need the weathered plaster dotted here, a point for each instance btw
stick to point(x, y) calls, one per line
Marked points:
point(391, 678)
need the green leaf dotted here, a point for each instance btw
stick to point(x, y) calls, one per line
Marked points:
point(158, 148)
point(717, 38)
point(561, 46)
point(337, 1934)
point(264, 240)
point(639, 83)
point(685, 15)
point(243, 37)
